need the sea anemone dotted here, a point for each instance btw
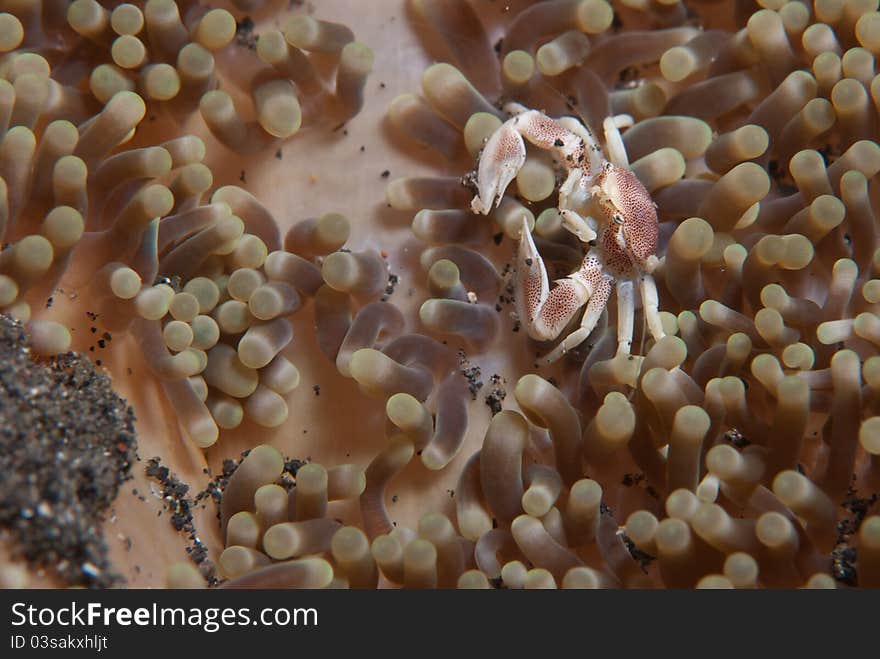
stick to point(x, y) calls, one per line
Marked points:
point(209, 187)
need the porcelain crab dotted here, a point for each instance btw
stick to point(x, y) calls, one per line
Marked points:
point(602, 203)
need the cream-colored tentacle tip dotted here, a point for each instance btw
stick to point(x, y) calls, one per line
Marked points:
point(11, 32)
point(315, 35)
point(215, 30)
point(48, 338)
point(278, 108)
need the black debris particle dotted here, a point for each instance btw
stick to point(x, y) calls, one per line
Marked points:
point(496, 395)
point(242, 177)
point(843, 565)
point(174, 281)
point(507, 298)
point(385, 174)
point(469, 180)
point(632, 479)
point(735, 437)
point(244, 33)
point(278, 154)
point(215, 487)
point(498, 237)
point(641, 557)
point(471, 373)
point(828, 153)
point(628, 78)
point(639, 480)
point(180, 506)
point(317, 389)
point(67, 444)
point(843, 556)
point(393, 280)
point(291, 467)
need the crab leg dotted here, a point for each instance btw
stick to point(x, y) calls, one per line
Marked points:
point(650, 306)
point(626, 313)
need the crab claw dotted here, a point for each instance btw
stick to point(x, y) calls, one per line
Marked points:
point(532, 284)
point(502, 157)
point(583, 228)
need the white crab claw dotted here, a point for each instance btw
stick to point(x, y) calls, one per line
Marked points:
point(513, 108)
point(502, 157)
point(532, 284)
point(583, 228)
